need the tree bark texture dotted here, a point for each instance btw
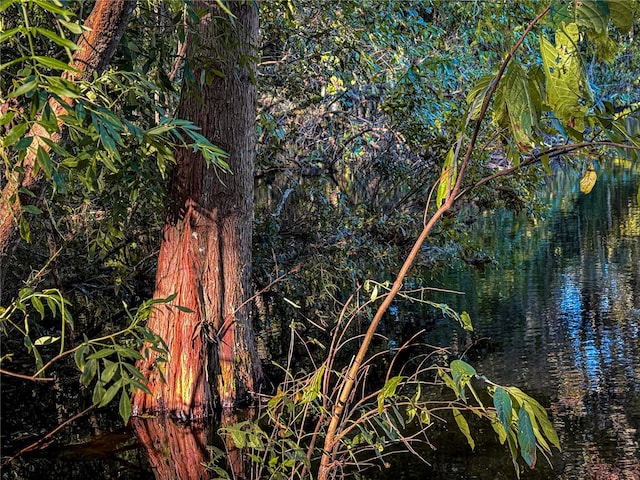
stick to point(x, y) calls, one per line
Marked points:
point(175, 451)
point(106, 24)
point(205, 255)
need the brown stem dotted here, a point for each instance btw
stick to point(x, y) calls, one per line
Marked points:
point(25, 377)
point(552, 152)
point(331, 441)
point(36, 444)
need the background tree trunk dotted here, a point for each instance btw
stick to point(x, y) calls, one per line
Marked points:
point(106, 23)
point(205, 255)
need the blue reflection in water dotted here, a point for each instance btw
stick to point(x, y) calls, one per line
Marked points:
point(578, 321)
point(564, 320)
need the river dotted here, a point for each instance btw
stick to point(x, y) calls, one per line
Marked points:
point(558, 315)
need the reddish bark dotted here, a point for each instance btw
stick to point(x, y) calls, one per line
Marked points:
point(205, 255)
point(179, 452)
point(175, 451)
point(106, 24)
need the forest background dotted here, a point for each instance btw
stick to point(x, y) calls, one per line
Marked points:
point(371, 120)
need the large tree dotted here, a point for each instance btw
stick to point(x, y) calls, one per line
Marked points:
point(205, 256)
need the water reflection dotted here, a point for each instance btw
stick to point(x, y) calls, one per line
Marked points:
point(561, 310)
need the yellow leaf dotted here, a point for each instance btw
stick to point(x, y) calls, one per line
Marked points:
point(588, 180)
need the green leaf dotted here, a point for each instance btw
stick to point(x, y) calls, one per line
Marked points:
point(621, 12)
point(464, 427)
point(78, 356)
point(544, 160)
point(538, 411)
point(73, 27)
point(565, 85)
point(238, 436)
point(89, 371)
point(411, 413)
point(140, 386)
point(98, 393)
point(425, 417)
point(105, 352)
point(465, 321)
point(540, 415)
point(58, 183)
point(62, 87)
point(110, 394)
point(387, 391)
point(477, 93)
point(37, 304)
point(314, 390)
point(461, 372)
point(44, 160)
point(449, 382)
point(498, 428)
point(53, 8)
point(14, 134)
point(526, 437)
point(46, 340)
point(109, 371)
point(593, 14)
point(125, 407)
point(521, 108)
point(4, 4)
point(23, 89)
point(23, 228)
point(502, 402)
point(159, 130)
point(226, 10)
point(7, 118)
point(32, 209)
point(134, 371)
point(54, 63)
point(374, 293)
point(23, 143)
point(129, 353)
point(447, 178)
point(6, 35)
point(460, 368)
point(54, 37)
point(513, 449)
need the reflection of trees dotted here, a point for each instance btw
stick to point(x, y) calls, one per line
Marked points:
point(563, 303)
point(597, 364)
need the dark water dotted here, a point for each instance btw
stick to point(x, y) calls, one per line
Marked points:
point(558, 315)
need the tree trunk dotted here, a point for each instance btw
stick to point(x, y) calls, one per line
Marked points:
point(205, 255)
point(106, 24)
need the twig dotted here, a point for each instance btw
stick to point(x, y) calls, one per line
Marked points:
point(33, 378)
point(35, 445)
point(552, 152)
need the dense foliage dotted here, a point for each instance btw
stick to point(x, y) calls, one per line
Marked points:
point(363, 108)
